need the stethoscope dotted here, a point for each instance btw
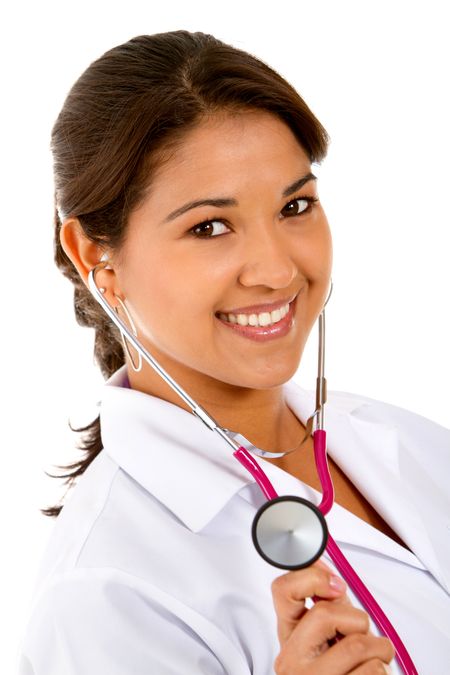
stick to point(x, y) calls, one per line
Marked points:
point(288, 532)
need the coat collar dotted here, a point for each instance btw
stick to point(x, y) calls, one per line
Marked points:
point(174, 456)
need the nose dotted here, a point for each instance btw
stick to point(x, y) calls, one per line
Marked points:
point(267, 260)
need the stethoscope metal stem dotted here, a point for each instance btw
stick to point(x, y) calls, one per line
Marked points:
point(321, 384)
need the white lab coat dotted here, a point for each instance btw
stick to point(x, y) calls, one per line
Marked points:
point(150, 568)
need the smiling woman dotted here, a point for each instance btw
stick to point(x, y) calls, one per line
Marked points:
point(185, 165)
point(234, 160)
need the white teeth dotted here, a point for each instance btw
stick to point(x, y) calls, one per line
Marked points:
point(276, 315)
point(263, 319)
point(242, 319)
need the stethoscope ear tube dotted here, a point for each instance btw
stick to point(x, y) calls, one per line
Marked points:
point(289, 532)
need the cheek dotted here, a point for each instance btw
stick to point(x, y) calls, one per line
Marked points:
point(172, 294)
point(314, 253)
point(325, 243)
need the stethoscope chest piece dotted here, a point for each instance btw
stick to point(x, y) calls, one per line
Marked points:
point(289, 532)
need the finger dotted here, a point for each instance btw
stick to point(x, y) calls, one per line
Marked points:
point(357, 653)
point(321, 624)
point(372, 667)
point(308, 645)
point(290, 590)
point(343, 599)
point(340, 600)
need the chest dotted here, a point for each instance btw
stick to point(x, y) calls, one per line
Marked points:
point(301, 464)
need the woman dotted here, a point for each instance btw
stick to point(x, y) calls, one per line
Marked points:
point(186, 164)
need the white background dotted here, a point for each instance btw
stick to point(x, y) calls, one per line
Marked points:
point(376, 76)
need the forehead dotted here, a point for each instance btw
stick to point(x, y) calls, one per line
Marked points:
point(235, 142)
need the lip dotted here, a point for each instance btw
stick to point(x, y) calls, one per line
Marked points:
point(259, 309)
point(265, 333)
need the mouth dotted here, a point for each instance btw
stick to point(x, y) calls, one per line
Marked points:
point(263, 326)
point(262, 315)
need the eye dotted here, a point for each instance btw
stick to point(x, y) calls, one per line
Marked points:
point(306, 198)
point(206, 229)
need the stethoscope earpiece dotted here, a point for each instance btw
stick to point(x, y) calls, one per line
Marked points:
point(289, 532)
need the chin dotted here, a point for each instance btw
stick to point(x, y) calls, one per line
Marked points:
point(268, 379)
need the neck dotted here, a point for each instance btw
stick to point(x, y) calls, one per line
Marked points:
point(260, 415)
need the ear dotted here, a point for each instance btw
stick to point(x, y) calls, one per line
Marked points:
point(85, 254)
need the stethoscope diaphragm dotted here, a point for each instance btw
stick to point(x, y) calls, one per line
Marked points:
point(289, 532)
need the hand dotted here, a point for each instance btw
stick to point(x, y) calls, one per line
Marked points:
point(304, 633)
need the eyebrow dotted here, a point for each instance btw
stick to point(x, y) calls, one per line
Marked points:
point(228, 201)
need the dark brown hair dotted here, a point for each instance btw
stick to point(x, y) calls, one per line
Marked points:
point(121, 120)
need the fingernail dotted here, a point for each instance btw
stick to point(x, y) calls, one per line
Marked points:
point(337, 584)
point(387, 668)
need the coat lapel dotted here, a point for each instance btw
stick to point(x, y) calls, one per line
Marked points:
point(385, 467)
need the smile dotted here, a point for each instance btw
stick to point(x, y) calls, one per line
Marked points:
point(262, 327)
point(262, 319)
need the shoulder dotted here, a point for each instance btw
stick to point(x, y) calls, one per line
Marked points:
point(73, 527)
point(419, 438)
point(366, 406)
point(417, 434)
point(373, 409)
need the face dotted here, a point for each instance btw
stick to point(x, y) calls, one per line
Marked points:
point(182, 277)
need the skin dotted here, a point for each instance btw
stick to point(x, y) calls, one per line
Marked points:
point(173, 283)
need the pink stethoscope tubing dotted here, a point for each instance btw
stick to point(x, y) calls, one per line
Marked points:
point(338, 558)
